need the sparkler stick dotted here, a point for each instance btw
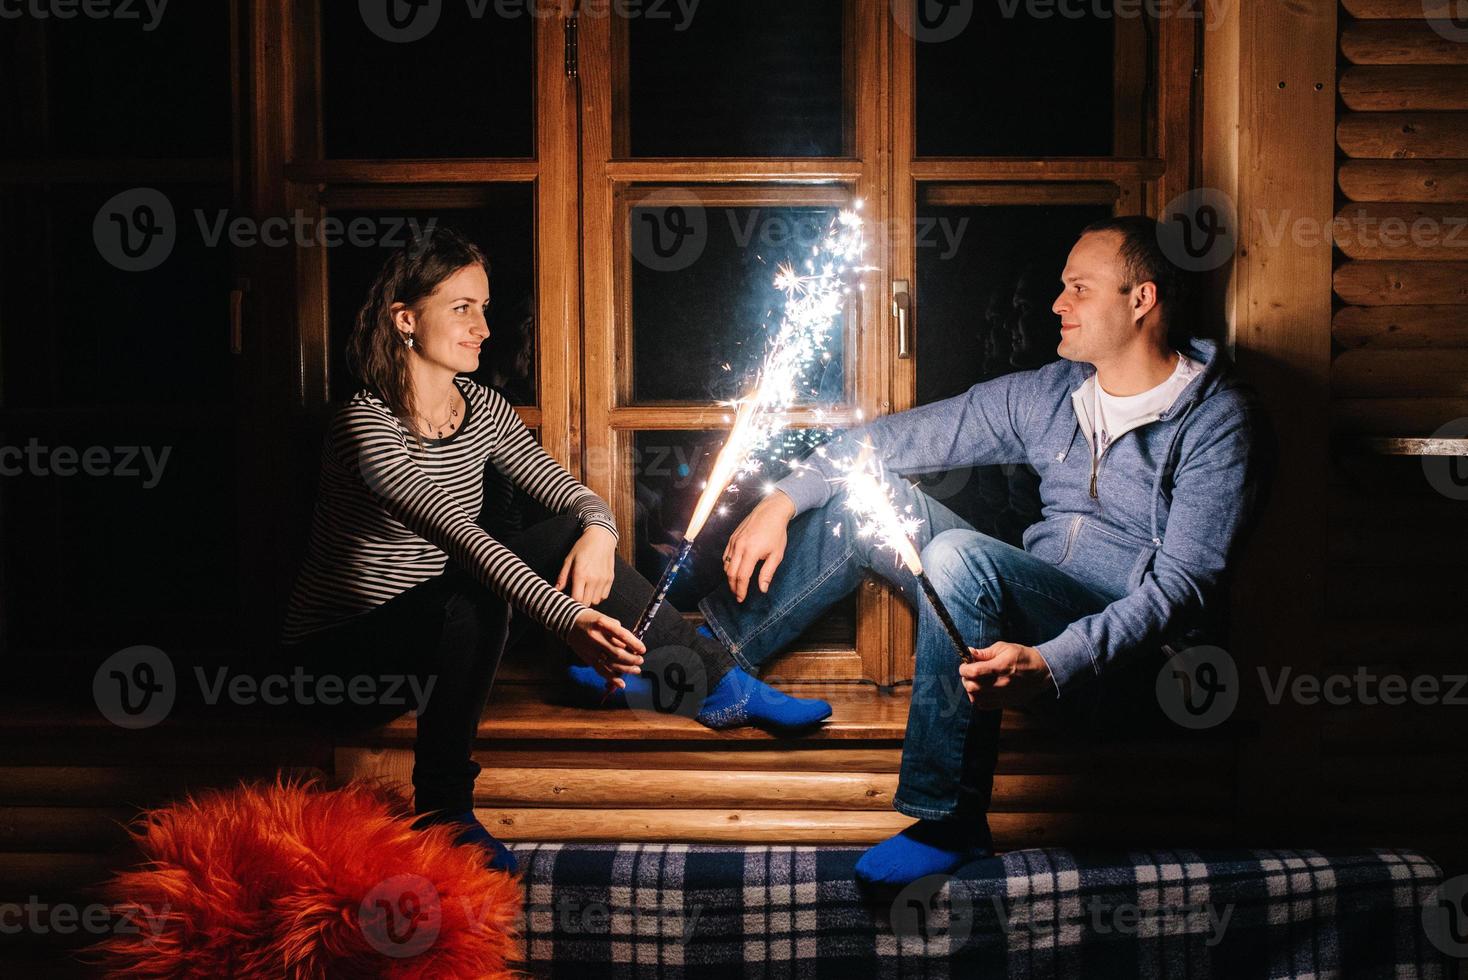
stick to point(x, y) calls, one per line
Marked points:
point(870, 499)
point(943, 615)
point(814, 298)
point(722, 474)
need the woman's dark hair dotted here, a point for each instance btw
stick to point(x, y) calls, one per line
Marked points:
point(376, 351)
point(1144, 260)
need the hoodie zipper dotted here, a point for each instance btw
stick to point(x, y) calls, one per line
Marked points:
point(1070, 539)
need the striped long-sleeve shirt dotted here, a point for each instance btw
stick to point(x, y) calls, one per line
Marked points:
point(389, 513)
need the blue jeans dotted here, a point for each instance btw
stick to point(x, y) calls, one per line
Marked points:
point(994, 591)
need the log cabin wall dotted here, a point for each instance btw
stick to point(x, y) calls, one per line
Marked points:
point(1397, 595)
point(1321, 122)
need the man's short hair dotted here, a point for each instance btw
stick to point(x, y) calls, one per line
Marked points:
point(1144, 260)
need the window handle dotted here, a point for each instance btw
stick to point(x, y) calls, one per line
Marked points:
point(902, 310)
point(237, 315)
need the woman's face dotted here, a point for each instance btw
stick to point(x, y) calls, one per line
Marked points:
point(449, 326)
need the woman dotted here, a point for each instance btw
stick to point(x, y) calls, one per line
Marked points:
point(398, 577)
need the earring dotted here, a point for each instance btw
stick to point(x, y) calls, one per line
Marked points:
point(409, 341)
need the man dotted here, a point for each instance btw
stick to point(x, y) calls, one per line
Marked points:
point(1151, 466)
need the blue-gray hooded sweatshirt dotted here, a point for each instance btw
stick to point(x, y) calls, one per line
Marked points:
point(1173, 495)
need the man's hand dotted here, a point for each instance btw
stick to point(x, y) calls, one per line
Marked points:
point(589, 566)
point(1005, 675)
point(607, 646)
point(760, 537)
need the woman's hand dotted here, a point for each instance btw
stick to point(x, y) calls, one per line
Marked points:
point(606, 646)
point(589, 566)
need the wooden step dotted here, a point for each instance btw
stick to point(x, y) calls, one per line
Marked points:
point(71, 781)
point(135, 786)
point(1186, 786)
point(516, 713)
point(522, 713)
point(701, 826)
point(63, 828)
point(557, 773)
point(57, 873)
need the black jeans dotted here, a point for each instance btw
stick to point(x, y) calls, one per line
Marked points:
point(451, 631)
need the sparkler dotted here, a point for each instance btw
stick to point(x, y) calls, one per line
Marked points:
point(870, 498)
point(815, 293)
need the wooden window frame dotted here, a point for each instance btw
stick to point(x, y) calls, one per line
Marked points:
point(1154, 161)
point(610, 174)
point(315, 184)
point(581, 275)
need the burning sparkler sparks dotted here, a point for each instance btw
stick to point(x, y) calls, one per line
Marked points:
point(814, 299)
point(816, 291)
point(869, 499)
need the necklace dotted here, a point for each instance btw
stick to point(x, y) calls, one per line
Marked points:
point(439, 426)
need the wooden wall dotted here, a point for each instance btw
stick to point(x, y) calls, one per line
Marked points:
point(1401, 325)
point(1341, 134)
point(1397, 590)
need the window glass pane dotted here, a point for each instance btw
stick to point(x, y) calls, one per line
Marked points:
point(503, 228)
point(114, 85)
point(704, 304)
point(444, 80)
point(983, 310)
point(115, 296)
point(737, 78)
point(989, 81)
point(669, 471)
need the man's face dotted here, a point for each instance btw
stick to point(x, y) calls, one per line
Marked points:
point(1097, 319)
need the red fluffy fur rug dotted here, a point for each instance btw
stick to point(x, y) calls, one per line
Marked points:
point(290, 880)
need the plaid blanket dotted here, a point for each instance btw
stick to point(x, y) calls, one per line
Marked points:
point(669, 911)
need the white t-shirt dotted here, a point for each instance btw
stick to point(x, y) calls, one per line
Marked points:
point(1116, 414)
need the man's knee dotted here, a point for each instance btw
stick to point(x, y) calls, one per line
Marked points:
point(959, 560)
